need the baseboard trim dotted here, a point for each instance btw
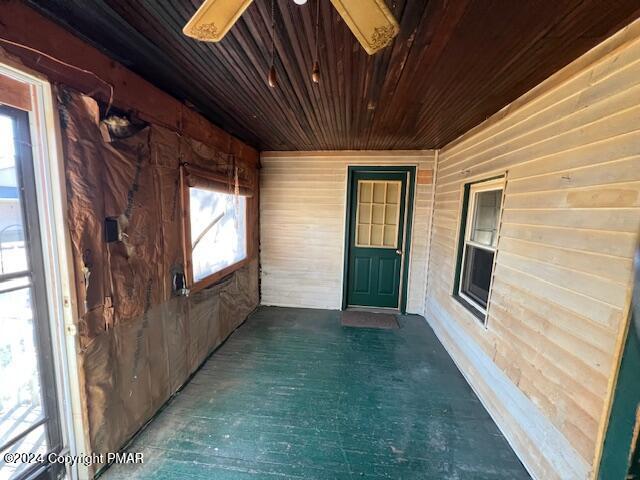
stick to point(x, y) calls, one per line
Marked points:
point(540, 446)
point(298, 305)
point(316, 307)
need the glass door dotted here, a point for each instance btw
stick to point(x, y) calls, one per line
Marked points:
point(29, 419)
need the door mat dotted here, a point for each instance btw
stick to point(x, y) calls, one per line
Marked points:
point(358, 319)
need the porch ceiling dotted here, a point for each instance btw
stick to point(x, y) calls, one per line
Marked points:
point(454, 63)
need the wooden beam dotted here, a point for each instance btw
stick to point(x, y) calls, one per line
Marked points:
point(21, 24)
point(14, 93)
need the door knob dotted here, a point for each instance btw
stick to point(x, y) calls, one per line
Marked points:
point(399, 252)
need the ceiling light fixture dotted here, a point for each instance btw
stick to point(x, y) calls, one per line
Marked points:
point(315, 71)
point(370, 21)
point(272, 79)
point(299, 2)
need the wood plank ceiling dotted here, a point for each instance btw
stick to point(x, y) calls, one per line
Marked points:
point(454, 63)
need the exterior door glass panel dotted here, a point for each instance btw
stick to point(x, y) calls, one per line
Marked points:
point(29, 421)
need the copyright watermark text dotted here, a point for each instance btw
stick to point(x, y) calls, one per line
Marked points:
point(68, 459)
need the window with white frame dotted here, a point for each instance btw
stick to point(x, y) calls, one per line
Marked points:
point(479, 239)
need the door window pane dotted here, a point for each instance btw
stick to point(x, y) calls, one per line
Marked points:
point(218, 231)
point(13, 255)
point(34, 442)
point(378, 213)
point(20, 388)
point(486, 216)
point(28, 404)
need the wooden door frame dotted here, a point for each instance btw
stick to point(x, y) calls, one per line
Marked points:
point(408, 225)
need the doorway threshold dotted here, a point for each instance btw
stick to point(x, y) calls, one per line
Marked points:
point(357, 308)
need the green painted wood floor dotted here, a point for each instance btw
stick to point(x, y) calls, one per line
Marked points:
point(293, 394)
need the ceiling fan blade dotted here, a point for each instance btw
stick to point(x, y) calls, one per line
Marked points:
point(370, 21)
point(214, 18)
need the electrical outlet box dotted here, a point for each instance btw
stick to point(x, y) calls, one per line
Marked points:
point(112, 231)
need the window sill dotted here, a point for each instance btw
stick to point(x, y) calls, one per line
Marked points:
point(473, 310)
point(216, 277)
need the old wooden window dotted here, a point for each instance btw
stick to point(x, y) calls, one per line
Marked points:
point(479, 239)
point(215, 224)
point(218, 231)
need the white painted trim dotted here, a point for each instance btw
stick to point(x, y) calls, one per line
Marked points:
point(429, 232)
point(51, 197)
point(542, 448)
point(295, 305)
point(404, 258)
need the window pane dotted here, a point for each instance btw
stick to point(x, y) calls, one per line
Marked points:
point(218, 231)
point(476, 277)
point(13, 255)
point(378, 222)
point(485, 217)
point(34, 442)
point(20, 396)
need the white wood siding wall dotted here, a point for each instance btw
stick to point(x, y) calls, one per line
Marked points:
point(571, 150)
point(302, 220)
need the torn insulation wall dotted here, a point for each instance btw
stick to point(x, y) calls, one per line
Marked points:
point(139, 340)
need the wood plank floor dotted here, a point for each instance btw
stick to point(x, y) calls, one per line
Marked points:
point(293, 394)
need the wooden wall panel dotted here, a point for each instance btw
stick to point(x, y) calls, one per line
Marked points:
point(302, 220)
point(571, 153)
point(452, 64)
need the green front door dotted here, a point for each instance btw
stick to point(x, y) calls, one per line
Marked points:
point(376, 233)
